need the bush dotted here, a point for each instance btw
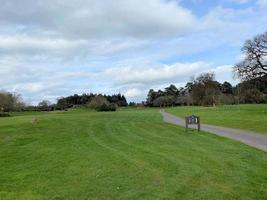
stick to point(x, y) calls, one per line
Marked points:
point(100, 103)
point(164, 101)
point(132, 104)
point(2, 114)
point(253, 96)
point(227, 99)
point(107, 107)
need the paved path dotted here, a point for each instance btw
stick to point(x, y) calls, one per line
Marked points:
point(250, 138)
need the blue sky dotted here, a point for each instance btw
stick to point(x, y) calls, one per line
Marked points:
point(50, 49)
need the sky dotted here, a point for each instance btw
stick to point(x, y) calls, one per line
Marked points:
point(50, 49)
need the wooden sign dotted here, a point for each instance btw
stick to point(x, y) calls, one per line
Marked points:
point(192, 120)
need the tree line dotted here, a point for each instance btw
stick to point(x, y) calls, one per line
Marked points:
point(74, 101)
point(12, 102)
point(206, 91)
point(77, 100)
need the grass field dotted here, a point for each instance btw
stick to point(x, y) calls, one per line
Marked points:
point(247, 117)
point(130, 154)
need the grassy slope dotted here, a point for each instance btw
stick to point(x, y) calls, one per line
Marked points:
point(123, 155)
point(248, 117)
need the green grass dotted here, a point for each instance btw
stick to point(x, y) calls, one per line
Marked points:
point(130, 154)
point(247, 117)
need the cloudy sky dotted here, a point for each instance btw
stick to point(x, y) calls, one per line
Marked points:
point(56, 48)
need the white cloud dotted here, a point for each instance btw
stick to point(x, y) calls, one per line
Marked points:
point(154, 72)
point(225, 73)
point(62, 48)
point(229, 25)
point(24, 42)
point(238, 1)
point(133, 93)
point(92, 18)
point(262, 2)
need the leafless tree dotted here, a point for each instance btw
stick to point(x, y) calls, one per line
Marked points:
point(44, 105)
point(255, 62)
point(10, 102)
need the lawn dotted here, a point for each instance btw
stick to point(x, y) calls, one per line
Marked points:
point(247, 117)
point(130, 154)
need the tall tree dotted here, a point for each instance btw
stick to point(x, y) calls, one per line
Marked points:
point(205, 89)
point(151, 96)
point(255, 62)
point(44, 105)
point(172, 90)
point(227, 88)
point(10, 102)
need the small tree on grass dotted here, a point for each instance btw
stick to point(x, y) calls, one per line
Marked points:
point(100, 103)
point(44, 105)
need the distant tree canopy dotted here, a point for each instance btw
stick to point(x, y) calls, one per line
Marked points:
point(206, 91)
point(85, 99)
point(10, 102)
point(254, 64)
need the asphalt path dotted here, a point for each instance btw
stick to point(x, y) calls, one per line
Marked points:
point(253, 139)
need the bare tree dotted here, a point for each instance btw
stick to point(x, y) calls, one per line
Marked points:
point(44, 105)
point(10, 102)
point(255, 62)
point(205, 89)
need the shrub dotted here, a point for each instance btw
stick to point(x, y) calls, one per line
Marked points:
point(132, 104)
point(164, 101)
point(253, 96)
point(100, 103)
point(2, 114)
point(34, 121)
point(227, 99)
point(107, 107)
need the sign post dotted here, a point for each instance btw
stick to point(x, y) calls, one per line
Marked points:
point(192, 120)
